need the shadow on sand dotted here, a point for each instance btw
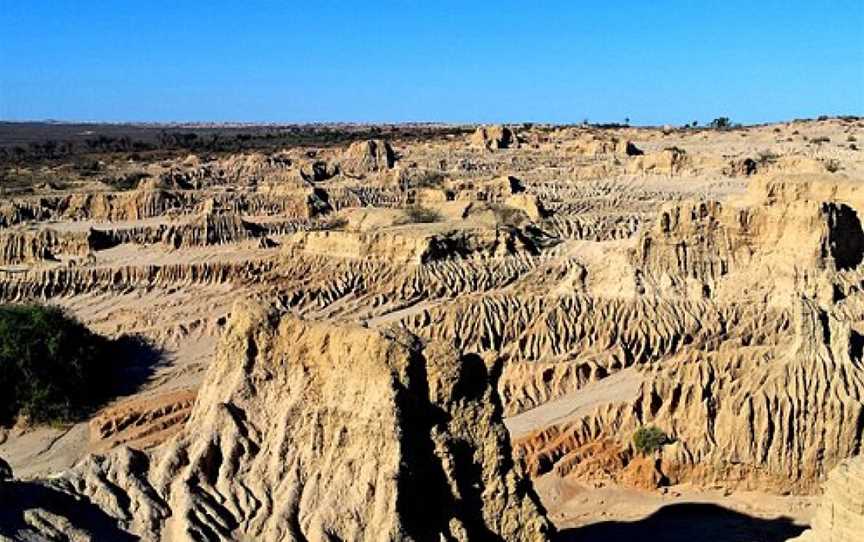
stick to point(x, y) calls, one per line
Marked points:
point(136, 361)
point(20, 498)
point(688, 522)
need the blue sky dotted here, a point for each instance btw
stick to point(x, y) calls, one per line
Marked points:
point(654, 62)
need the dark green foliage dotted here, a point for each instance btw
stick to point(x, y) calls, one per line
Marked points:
point(417, 214)
point(767, 157)
point(427, 179)
point(335, 223)
point(52, 368)
point(648, 440)
point(508, 215)
point(721, 123)
point(37, 143)
point(128, 181)
point(87, 167)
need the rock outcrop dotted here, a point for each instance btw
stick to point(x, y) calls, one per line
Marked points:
point(420, 243)
point(316, 171)
point(742, 167)
point(142, 423)
point(310, 431)
point(289, 201)
point(669, 161)
point(780, 239)
point(597, 146)
point(369, 156)
point(28, 246)
point(840, 516)
point(494, 138)
point(628, 148)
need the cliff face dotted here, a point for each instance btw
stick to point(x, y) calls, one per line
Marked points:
point(840, 517)
point(27, 246)
point(413, 244)
point(312, 431)
point(147, 202)
point(363, 157)
point(771, 401)
point(494, 137)
point(776, 241)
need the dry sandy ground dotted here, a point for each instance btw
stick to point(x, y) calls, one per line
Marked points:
point(622, 386)
point(675, 514)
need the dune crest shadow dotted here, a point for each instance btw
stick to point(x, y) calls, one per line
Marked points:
point(687, 522)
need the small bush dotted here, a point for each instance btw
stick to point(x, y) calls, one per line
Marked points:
point(648, 440)
point(832, 165)
point(428, 179)
point(418, 214)
point(52, 368)
point(126, 182)
point(508, 215)
point(88, 167)
point(335, 223)
point(767, 157)
point(721, 123)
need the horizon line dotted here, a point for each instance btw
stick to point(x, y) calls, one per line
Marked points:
point(264, 124)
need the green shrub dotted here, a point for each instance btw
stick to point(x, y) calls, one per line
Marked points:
point(508, 215)
point(418, 214)
point(721, 123)
point(767, 157)
point(52, 368)
point(648, 440)
point(426, 179)
point(335, 223)
point(128, 181)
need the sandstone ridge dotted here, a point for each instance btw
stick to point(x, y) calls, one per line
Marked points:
point(311, 431)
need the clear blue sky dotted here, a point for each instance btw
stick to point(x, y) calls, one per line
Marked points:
point(652, 61)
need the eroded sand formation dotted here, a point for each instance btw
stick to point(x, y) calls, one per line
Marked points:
point(315, 431)
point(840, 517)
point(573, 284)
